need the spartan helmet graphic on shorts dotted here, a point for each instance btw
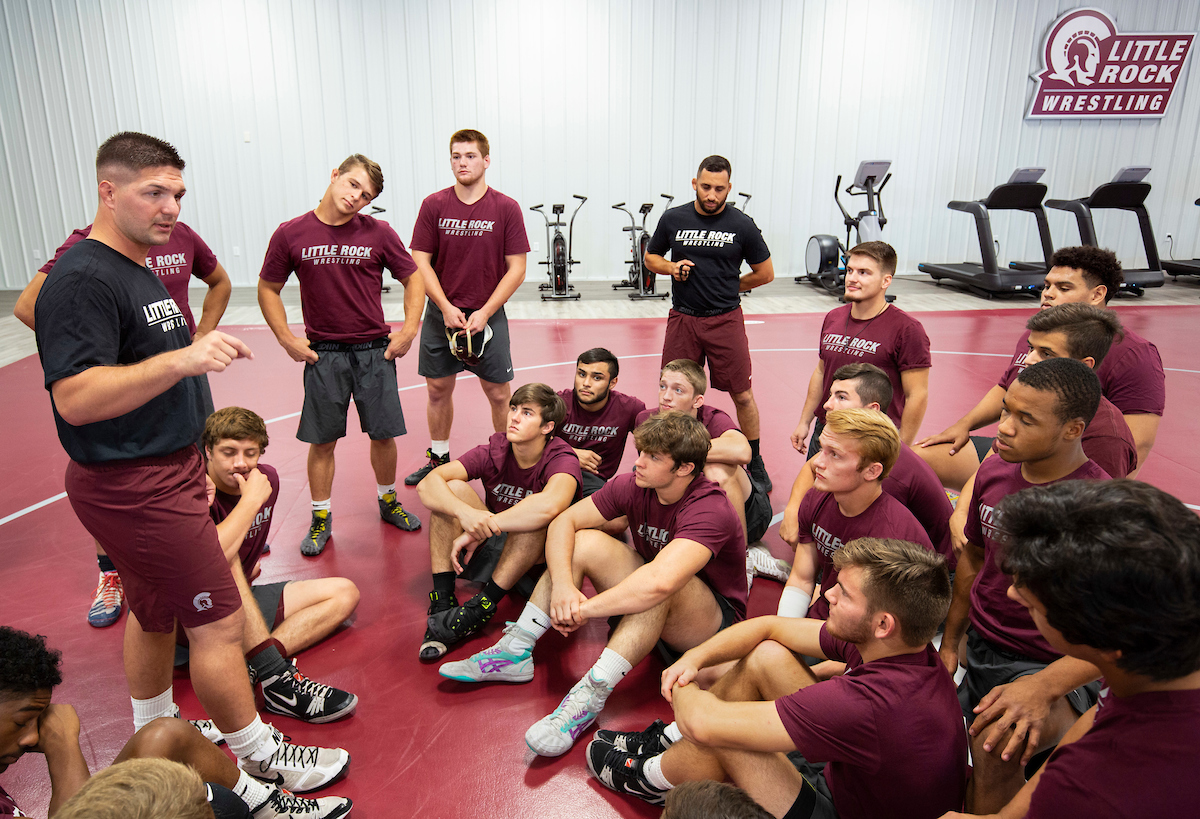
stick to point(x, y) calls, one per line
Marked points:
point(468, 347)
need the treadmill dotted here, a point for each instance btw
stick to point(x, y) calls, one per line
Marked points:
point(1024, 192)
point(1183, 267)
point(1128, 192)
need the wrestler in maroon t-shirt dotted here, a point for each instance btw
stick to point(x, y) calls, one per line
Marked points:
point(469, 242)
point(1131, 375)
point(716, 421)
point(603, 432)
point(1138, 759)
point(505, 483)
point(891, 731)
point(184, 256)
point(703, 515)
point(1004, 622)
point(914, 483)
point(822, 523)
point(340, 268)
point(1108, 441)
point(894, 341)
point(256, 537)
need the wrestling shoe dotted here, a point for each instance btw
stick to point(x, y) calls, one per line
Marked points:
point(106, 607)
point(554, 734)
point(298, 768)
point(207, 728)
point(283, 805)
point(392, 512)
point(767, 565)
point(295, 695)
point(431, 647)
point(649, 742)
point(460, 622)
point(758, 471)
point(434, 462)
point(496, 664)
point(313, 543)
point(621, 771)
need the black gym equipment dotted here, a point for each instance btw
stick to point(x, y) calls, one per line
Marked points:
point(745, 201)
point(640, 278)
point(559, 260)
point(1128, 192)
point(1182, 267)
point(825, 257)
point(1023, 192)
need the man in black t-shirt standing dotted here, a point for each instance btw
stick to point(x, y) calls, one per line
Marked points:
point(708, 243)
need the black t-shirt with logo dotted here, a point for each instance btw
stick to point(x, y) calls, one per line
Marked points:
point(99, 309)
point(717, 245)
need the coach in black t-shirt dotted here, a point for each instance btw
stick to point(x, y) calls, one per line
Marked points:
point(708, 243)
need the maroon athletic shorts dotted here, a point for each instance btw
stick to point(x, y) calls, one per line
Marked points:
point(151, 516)
point(721, 340)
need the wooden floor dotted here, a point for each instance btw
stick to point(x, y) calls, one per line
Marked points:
point(422, 745)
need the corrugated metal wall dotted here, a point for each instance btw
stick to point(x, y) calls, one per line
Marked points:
point(614, 99)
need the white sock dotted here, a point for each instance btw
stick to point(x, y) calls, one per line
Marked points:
point(532, 620)
point(610, 669)
point(673, 733)
point(652, 770)
point(440, 448)
point(251, 791)
point(256, 741)
point(325, 505)
point(146, 711)
point(383, 490)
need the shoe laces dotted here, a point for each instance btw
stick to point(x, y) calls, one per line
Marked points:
point(319, 523)
point(109, 589)
point(285, 803)
point(576, 702)
point(293, 756)
point(318, 691)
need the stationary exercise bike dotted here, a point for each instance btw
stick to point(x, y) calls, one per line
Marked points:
point(640, 278)
point(558, 253)
point(825, 257)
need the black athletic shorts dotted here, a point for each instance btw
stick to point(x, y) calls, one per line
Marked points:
point(269, 597)
point(591, 484)
point(670, 655)
point(983, 446)
point(758, 513)
point(436, 361)
point(815, 800)
point(328, 385)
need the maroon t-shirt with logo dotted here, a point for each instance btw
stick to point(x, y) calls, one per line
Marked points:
point(1153, 734)
point(822, 523)
point(340, 268)
point(890, 730)
point(505, 483)
point(256, 536)
point(894, 341)
point(716, 421)
point(703, 514)
point(1108, 441)
point(469, 242)
point(914, 483)
point(1131, 375)
point(184, 256)
point(998, 619)
point(602, 432)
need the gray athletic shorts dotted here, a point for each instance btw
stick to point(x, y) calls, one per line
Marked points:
point(436, 361)
point(758, 513)
point(591, 484)
point(815, 800)
point(983, 446)
point(328, 386)
point(669, 653)
point(269, 597)
point(989, 665)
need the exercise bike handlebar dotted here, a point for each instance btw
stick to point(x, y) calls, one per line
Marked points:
point(571, 228)
point(549, 224)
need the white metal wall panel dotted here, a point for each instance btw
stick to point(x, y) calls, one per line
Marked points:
point(613, 99)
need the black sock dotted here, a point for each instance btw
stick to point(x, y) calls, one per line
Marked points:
point(493, 592)
point(443, 583)
point(267, 660)
point(106, 564)
point(754, 448)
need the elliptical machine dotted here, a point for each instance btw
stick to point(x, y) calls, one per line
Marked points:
point(825, 257)
point(640, 278)
point(558, 253)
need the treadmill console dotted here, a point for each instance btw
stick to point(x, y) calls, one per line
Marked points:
point(1134, 173)
point(1025, 176)
point(877, 168)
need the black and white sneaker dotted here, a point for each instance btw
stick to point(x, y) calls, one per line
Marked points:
point(295, 695)
point(283, 805)
point(649, 742)
point(621, 772)
point(299, 768)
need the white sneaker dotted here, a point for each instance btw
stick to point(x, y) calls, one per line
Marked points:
point(206, 727)
point(767, 565)
point(554, 734)
point(298, 768)
point(496, 664)
point(283, 805)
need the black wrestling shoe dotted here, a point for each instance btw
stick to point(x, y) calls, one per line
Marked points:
point(621, 772)
point(650, 742)
point(433, 648)
point(392, 512)
point(294, 695)
point(434, 462)
point(461, 622)
point(758, 471)
point(319, 531)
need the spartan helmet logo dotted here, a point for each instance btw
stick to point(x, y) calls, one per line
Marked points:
point(1073, 47)
point(202, 601)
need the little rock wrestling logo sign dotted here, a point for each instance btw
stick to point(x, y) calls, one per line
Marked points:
point(1092, 72)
